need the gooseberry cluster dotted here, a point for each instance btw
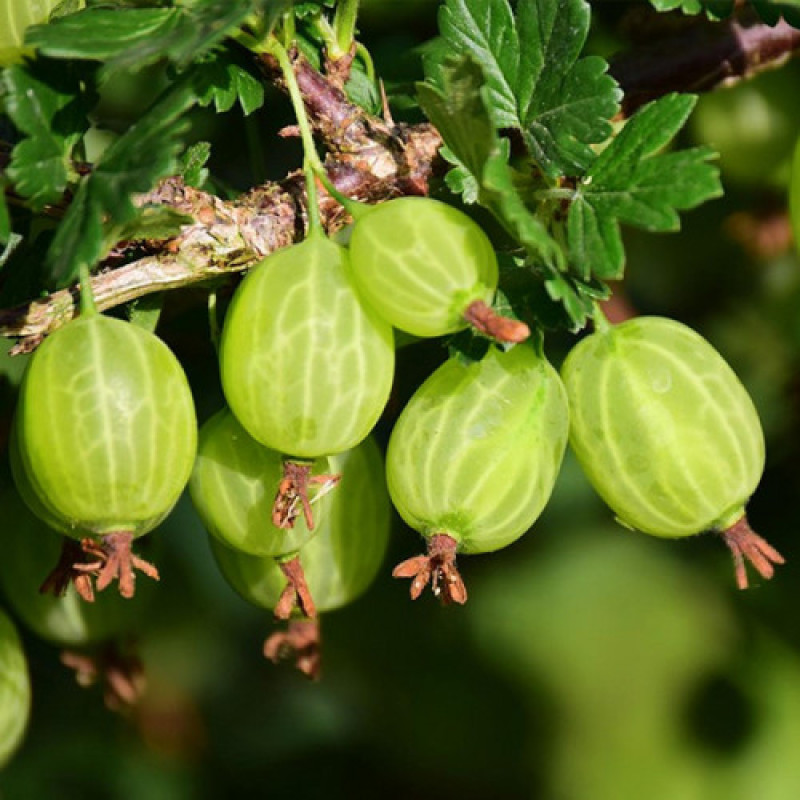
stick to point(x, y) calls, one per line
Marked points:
point(287, 478)
point(660, 424)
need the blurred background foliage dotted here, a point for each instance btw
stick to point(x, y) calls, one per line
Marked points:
point(590, 663)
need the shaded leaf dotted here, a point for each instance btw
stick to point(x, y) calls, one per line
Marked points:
point(460, 113)
point(104, 201)
point(632, 182)
point(47, 103)
point(130, 38)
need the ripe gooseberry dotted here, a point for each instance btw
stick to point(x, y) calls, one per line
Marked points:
point(428, 268)
point(473, 458)
point(233, 484)
point(306, 364)
point(341, 561)
point(667, 434)
point(94, 636)
point(106, 436)
point(232, 487)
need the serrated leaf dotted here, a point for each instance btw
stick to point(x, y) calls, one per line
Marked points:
point(130, 38)
point(578, 304)
point(459, 111)
point(193, 164)
point(633, 182)
point(510, 208)
point(104, 201)
point(220, 79)
point(47, 104)
point(486, 30)
point(362, 91)
point(536, 81)
point(566, 101)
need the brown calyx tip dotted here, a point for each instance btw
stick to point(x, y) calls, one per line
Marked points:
point(437, 568)
point(300, 642)
point(747, 546)
point(296, 593)
point(491, 324)
point(114, 559)
point(122, 674)
point(68, 571)
point(292, 493)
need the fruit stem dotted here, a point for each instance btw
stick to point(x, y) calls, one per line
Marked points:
point(213, 320)
point(600, 320)
point(437, 568)
point(747, 546)
point(488, 322)
point(114, 559)
point(122, 674)
point(311, 164)
point(67, 571)
point(293, 491)
point(300, 641)
point(88, 305)
point(296, 593)
point(344, 26)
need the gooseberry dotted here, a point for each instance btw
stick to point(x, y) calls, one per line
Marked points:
point(306, 364)
point(106, 436)
point(340, 561)
point(233, 485)
point(667, 434)
point(473, 458)
point(428, 268)
point(15, 690)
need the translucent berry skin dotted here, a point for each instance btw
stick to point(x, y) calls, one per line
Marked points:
point(105, 427)
point(233, 485)
point(342, 560)
point(15, 690)
point(30, 549)
point(476, 451)
point(306, 364)
point(15, 17)
point(421, 263)
point(662, 427)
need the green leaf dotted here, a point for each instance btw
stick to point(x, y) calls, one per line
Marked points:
point(511, 209)
point(361, 89)
point(536, 81)
point(771, 12)
point(9, 245)
point(632, 182)
point(193, 164)
point(5, 220)
point(457, 109)
point(46, 102)
point(105, 34)
point(222, 79)
point(145, 312)
point(687, 6)
point(104, 201)
point(152, 222)
point(130, 38)
point(460, 113)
